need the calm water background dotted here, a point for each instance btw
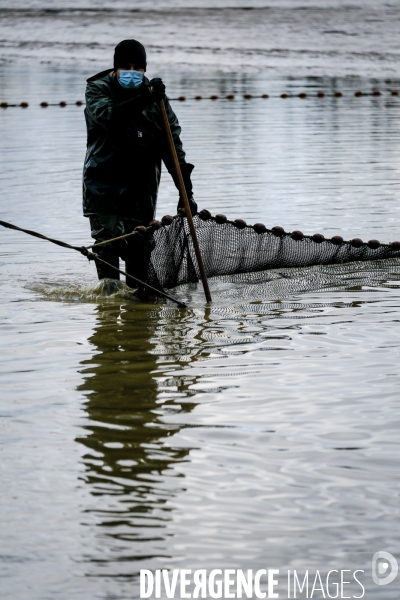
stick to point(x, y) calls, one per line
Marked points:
point(259, 432)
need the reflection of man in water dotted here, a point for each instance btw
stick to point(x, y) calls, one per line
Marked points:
point(128, 443)
point(125, 146)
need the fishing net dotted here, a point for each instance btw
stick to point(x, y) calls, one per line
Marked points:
point(231, 247)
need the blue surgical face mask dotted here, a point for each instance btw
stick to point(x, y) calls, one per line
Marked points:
point(130, 79)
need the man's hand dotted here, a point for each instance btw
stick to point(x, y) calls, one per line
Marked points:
point(192, 204)
point(153, 92)
point(186, 169)
point(156, 89)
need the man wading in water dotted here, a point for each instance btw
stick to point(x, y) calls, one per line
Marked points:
point(126, 143)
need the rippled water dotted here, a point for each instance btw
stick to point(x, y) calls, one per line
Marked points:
point(258, 432)
point(290, 37)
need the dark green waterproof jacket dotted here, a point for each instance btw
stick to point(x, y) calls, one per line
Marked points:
point(126, 143)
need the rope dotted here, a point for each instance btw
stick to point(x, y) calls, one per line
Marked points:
point(302, 95)
point(42, 237)
point(93, 256)
point(121, 237)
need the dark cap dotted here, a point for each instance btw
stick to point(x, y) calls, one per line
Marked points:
point(130, 51)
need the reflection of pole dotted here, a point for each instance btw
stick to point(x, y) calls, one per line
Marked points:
point(182, 191)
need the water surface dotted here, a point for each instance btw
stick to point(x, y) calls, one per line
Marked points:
point(261, 431)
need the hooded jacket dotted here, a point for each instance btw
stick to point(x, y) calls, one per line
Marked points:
point(126, 144)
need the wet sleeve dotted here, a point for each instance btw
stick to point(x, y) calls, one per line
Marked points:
point(176, 132)
point(186, 167)
point(109, 115)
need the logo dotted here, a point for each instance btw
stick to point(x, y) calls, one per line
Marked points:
point(380, 565)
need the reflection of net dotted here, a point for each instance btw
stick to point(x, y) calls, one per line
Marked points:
point(229, 248)
point(275, 284)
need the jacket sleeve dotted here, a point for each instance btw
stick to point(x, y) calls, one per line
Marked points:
point(186, 167)
point(176, 132)
point(103, 110)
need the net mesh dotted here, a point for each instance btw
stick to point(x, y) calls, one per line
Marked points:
point(233, 247)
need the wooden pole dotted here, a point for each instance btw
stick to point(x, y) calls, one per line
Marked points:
point(182, 191)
